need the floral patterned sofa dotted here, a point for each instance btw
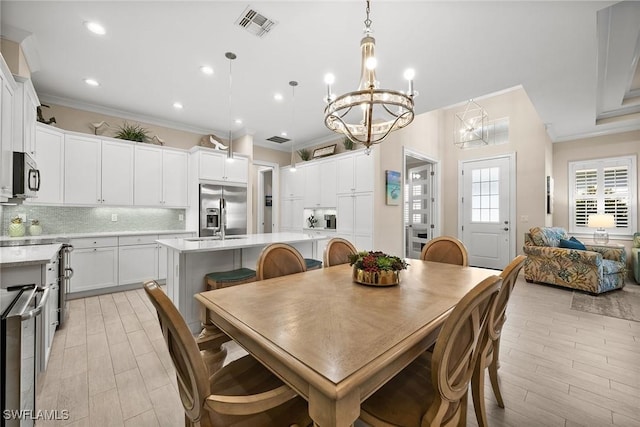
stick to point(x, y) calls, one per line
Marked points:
point(595, 270)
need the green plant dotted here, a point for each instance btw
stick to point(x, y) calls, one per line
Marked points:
point(132, 132)
point(348, 144)
point(374, 261)
point(16, 220)
point(304, 154)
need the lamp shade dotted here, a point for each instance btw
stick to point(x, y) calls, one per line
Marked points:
point(601, 221)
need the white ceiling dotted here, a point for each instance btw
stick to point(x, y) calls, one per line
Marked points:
point(575, 66)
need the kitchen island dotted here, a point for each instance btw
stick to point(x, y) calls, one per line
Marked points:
point(190, 259)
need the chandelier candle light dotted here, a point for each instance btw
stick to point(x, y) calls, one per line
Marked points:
point(380, 111)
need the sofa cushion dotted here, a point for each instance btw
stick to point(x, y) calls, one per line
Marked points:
point(612, 267)
point(572, 243)
point(548, 236)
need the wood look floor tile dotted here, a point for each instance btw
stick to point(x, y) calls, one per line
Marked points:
point(559, 367)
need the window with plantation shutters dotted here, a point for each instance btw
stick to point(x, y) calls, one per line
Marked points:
point(604, 186)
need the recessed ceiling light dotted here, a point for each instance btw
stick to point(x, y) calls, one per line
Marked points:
point(283, 134)
point(177, 106)
point(92, 82)
point(95, 28)
point(277, 97)
point(238, 121)
point(206, 70)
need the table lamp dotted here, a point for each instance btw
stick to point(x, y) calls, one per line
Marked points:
point(600, 222)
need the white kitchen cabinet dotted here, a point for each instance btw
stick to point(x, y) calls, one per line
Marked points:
point(95, 263)
point(24, 119)
point(50, 310)
point(355, 173)
point(292, 212)
point(116, 178)
point(137, 262)
point(214, 166)
point(320, 184)
point(160, 177)
point(49, 155)
point(97, 172)
point(7, 91)
point(354, 219)
point(292, 183)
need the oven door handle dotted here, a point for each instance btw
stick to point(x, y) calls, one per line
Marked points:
point(33, 313)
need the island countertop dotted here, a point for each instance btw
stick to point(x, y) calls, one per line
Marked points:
point(208, 244)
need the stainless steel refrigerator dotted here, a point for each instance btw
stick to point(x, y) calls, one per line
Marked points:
point(214, 201)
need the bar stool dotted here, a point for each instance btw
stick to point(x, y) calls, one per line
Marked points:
point(224, 279)
point(312, 264)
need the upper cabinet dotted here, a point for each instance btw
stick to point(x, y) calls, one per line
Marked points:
point(49, 155)
point(161, 177)
point(320, 184)
point(355, 173)
point(7, 93)
point(97, 172)
point(292, 183)
point(213, 166)
point(26, 103)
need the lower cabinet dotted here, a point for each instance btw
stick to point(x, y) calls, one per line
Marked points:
point(354, 219)
point(94, 268)
point(137, 263)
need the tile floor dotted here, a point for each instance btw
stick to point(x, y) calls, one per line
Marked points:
point(559, 367)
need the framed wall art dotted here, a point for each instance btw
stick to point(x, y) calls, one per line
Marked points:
point(393, 188)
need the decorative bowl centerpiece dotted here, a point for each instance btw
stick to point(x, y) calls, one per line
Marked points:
point(376, 268)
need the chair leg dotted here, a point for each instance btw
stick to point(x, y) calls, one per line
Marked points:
point(477, 391)
point(493, 373)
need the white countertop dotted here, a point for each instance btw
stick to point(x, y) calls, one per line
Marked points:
point(94, 234)
point(18, 256)
point(237, 242)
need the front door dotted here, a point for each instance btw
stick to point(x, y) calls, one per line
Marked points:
point(487, 187)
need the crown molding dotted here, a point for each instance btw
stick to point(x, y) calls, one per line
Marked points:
point(71, 103)
point(596, 133)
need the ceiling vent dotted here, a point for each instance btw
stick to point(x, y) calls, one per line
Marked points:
point(278, 139)
point(254, 22)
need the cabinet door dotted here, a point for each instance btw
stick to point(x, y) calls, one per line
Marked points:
point(148, 176)
point(117, 173)
point(94, 268)
point(327, 184)
point(50, 314)
point(82, 170)
point(286, 216)
point(345, 215)
point(344, 175)
point(212, 166)
point(49, 150)
point(29, 115)
point(311, 185)
point(237, 171)
point(137, 263)
point(6, 135)
point(297, 215)
point(174, 178)
point(363, 172)
point(363, 214)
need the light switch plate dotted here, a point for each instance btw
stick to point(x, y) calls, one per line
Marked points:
point(180, 217)
point(114, 217)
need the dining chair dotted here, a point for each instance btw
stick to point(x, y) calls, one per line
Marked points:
point(445, 249)
point(241, 393)
point(489, 355)
point(279, 259)
point(337, 252)
point(432, 391)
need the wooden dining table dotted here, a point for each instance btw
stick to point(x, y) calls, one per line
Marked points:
point(335, 342)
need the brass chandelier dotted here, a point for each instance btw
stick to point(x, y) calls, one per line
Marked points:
point(379, 111)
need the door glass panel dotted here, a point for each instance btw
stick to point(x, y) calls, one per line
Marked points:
point(485, 195)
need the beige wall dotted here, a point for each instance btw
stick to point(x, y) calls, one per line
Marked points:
point(14, 57)
point(431, 134)
point(621, 144)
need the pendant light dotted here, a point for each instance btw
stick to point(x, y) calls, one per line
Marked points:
point(293, 85)
point(230, 56)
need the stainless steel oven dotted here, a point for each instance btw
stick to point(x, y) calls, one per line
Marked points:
point(21, 306)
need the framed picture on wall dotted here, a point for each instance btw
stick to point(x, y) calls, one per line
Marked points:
point(393, 188)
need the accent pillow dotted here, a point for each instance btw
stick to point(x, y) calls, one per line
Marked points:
point(572, 243)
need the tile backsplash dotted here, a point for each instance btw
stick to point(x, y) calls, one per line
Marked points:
point(62, 220)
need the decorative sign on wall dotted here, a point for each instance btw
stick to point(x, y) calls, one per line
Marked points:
point(324, 151)
point(393, 188)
